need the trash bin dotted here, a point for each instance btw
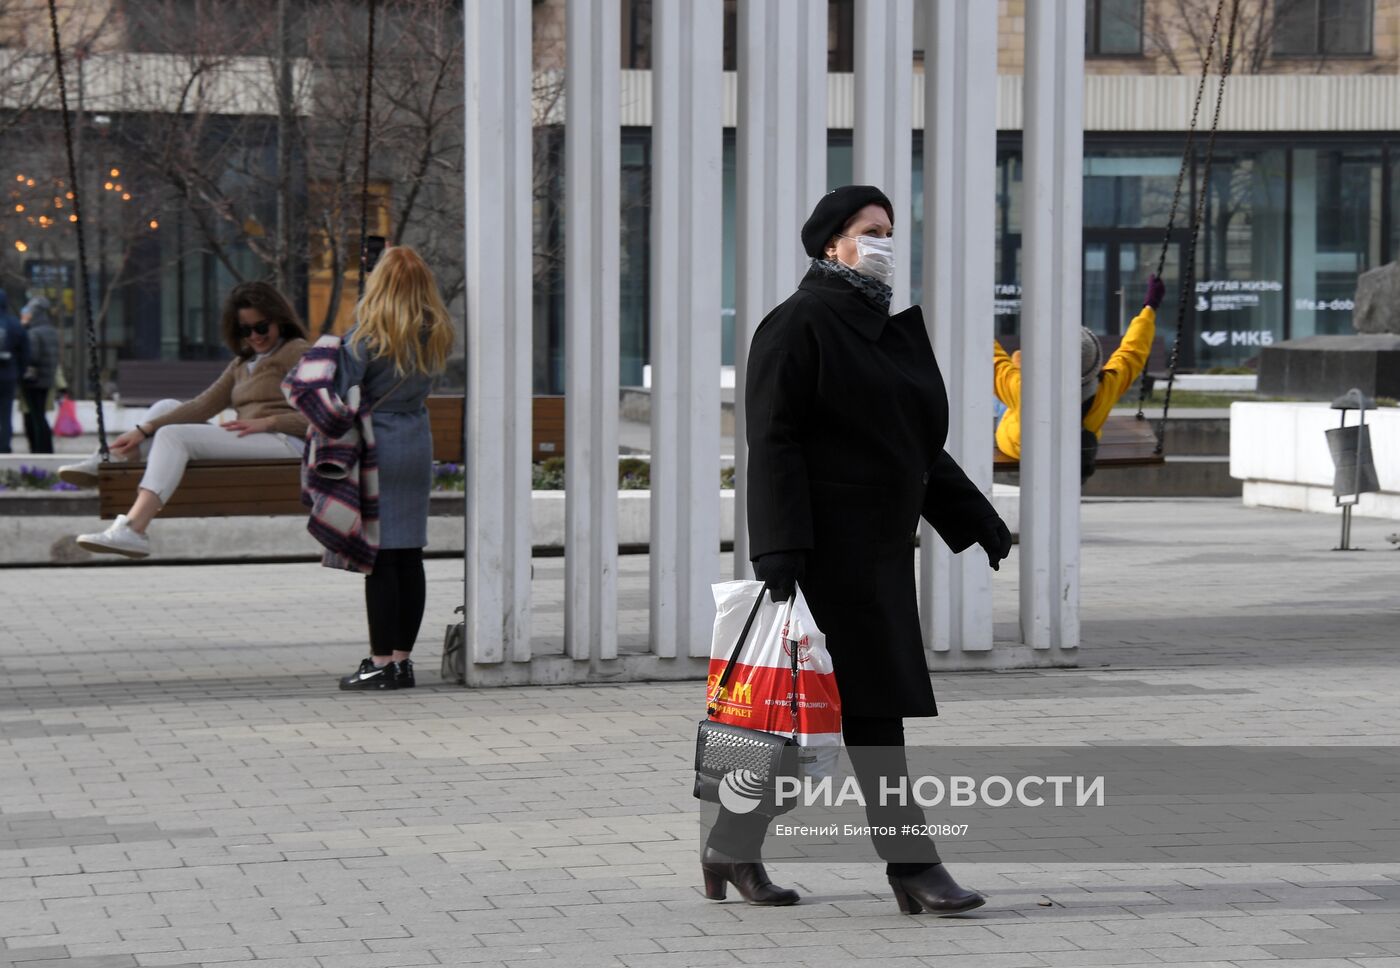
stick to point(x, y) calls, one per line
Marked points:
point(1354, 465)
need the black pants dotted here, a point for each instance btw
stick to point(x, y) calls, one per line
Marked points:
point(36, 420)
point(876, 748)
point(394, 595)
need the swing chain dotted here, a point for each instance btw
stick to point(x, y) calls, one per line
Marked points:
point(94, 363)
point(1181, 171)
point(1189, 270)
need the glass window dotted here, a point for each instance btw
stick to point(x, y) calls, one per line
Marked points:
point(1336, 234)
point(841, 35)
point(1129, 188)
point(1322, 27)
point(635, 294)
point(636, 35)
point(1007, 305)
point(1112, 28)
point(1239, 261)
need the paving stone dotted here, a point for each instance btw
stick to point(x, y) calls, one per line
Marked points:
point(172, 804)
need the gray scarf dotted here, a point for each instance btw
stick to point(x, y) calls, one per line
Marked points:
point(871, 290)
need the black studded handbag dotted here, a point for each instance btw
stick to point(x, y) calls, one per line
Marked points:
point(738, 767)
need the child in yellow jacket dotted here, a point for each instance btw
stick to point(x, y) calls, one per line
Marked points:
point(1102, 384)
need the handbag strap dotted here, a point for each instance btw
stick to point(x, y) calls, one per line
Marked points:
point(392, 389)
point(713, 701)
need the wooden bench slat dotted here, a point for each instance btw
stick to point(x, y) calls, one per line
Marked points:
point(240, 488)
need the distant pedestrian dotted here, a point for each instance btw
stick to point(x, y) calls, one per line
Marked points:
point(41, 375)
point(14, 360)
point(400, 341)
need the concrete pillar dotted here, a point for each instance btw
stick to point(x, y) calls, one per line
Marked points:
point(499, 305)
point(883, 147)
point(686, 183)
point(592, 150)
point(959, 208)
point(1051, 248)
point(781, 158)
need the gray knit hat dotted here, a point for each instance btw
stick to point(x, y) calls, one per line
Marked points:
point(1090, 362)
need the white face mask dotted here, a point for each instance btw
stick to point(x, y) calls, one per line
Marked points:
point(876, 257)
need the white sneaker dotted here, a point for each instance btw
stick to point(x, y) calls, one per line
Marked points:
point(119, 539)
point(83, 473)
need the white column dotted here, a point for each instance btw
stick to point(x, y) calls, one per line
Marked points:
point(498, 247)
point(960, 84)
point(781, 156)
point(592, 147)
point(686, 183)
point(1051, 257)
point(883, 148)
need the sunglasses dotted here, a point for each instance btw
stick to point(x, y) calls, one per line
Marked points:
point(260, 328)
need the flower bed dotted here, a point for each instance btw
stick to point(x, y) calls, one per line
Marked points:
point(33, 479)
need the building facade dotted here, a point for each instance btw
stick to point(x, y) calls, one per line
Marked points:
point(1301, 196)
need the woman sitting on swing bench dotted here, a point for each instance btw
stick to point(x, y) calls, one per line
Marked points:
point(262, 330)
point(1102, 384)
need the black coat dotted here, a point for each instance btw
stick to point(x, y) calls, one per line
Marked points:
point(847, 415)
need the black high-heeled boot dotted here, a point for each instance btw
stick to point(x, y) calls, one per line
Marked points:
point(751, 880)
point(933, 890)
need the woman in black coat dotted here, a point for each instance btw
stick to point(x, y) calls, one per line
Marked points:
point(846, 418)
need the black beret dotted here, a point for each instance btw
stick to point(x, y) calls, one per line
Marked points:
point(834, 210)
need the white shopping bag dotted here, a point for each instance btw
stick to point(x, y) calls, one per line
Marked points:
point(758, 693)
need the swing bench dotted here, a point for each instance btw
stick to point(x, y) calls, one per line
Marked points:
point(1131, 441)
point(1126, 441)
point(227, 488)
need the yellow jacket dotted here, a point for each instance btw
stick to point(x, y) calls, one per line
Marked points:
point(1122, 368)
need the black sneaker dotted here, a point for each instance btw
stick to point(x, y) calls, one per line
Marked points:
point(405, 678)
point(371, 676)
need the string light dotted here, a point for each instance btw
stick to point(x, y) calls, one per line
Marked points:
point(72, 218)
point(21, 246)
point(19, 178)
point(108, 186)
point(116, 173)
point(29, 182)
point(155, 224)
point(19, 208)
point(126, 196)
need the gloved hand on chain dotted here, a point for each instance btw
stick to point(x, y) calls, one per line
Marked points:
point(1156, 292)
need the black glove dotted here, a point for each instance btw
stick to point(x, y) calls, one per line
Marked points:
point(995, 539)
point(1156, 292)
point(782, 570)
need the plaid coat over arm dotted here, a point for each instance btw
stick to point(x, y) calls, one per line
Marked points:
point(339, 471)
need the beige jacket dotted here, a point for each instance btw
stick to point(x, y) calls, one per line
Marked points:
point(252, 395)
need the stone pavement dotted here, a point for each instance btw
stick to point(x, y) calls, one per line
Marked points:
point(182, 784)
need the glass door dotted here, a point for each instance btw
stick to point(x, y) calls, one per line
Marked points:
point(1116, 267)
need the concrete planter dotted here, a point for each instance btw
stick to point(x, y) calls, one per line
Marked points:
point(1279, 451)
point(1217, 382)
point(38, 527)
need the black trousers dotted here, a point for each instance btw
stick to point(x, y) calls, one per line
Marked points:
point(876, 748)
point(36, 420)
point(395, 593)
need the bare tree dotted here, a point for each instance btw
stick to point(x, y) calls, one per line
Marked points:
point(1176, 33)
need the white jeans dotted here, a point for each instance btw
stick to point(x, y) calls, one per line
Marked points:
point(174, 446)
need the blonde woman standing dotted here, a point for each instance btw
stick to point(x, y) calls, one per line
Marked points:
point(400, 342)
